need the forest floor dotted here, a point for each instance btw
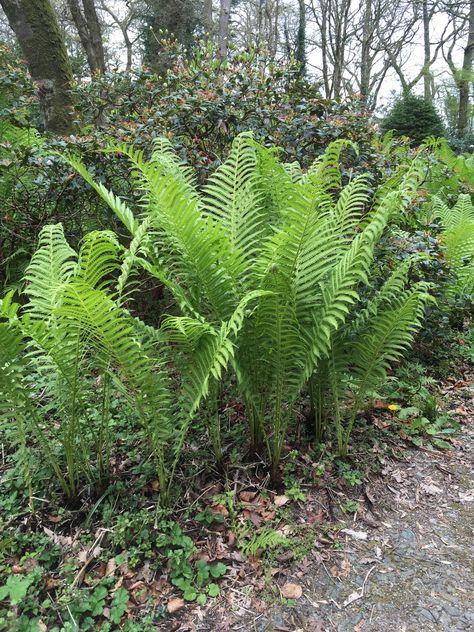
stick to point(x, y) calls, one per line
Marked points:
point(379, 542)
point(405, 564)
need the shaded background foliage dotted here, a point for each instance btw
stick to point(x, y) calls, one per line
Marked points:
point(200, 104)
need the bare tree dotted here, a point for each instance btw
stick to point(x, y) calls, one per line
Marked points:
point(268, 25)
point(398, 54)
point(125, 22)
point(386, 29)
point(464, 77)
point(334, 20)
point(84, 15)
point(36, 28)
point(223, 35)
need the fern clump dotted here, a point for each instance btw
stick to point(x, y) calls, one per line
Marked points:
point(273, 257)
point(73, 345)
point(457, 237)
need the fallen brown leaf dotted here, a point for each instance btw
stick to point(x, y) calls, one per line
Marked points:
point(111, 566)
point(54, 518)
point(17, 569)
point(291, 591)
point(247, 497)
point(281, 500)
point(175, 604)
point(345, 568)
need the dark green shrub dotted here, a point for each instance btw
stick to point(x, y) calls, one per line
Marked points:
point(413, 116)
point(203, 103)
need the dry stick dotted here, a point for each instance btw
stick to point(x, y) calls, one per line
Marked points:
point(366, 578)
point(80, 575)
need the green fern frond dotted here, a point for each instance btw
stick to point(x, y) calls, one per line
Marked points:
point(16, 403)
point(50, 269)
point(350, 206)
point(339, 292)
point(103, 325)
point(267, 539)
point(325, 172)
point(461, 213)
point(232, 195)
point(389, 293)
point(14, 136)
point(133, 257)
point(164, 156)
point(391, 333)
point(458, 240)
point(98, 258)
point(198, 255)
point(8, 308)
point(293, 169)
point(118, 206)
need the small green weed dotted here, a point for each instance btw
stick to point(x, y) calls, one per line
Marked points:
point(350, 506)
point(352, 476)
point(420, 430)
point(194, 579)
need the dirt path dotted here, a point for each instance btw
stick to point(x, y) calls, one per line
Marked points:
point(414, 572)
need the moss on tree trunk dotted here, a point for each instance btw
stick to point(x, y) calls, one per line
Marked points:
point(35, 25)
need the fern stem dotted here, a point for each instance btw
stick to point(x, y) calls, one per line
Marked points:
point(104, 439)
point(214, 424)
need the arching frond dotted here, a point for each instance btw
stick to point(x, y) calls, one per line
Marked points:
point(391, 332)
point(458, 240)
point(232, 195)
point(461, 213)
point(164, 156)
point(98, 258)
point(16, 403)
point(50, 269)
point(118, 206)
point(325, 172)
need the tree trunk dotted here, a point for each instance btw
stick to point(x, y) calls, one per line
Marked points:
point(324, 51)
point(128, 47)
point(465, 79)
point(208, 20)
point(224, 18)
point(90, 34)
point(366, 61)
point(301, 37)
point(35, 25)
point(427, 81)
point(260, 31)
point(274, 48)
point(339, 46)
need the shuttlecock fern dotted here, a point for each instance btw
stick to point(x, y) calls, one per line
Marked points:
point(301, 242)
point(458, 240)
point(364, 349)
point(74, 332)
